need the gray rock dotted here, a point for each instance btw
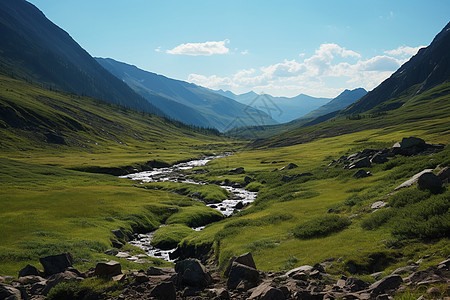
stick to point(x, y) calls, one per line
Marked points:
point(108, 269)
point(429, 181)
point(378, 158)
point(29, 270)
point(246, 259)
point(30, 279)
point(444, 175)
point(56, 279)
point(410, 142)
point(112, 252)
point(164, 291)
point(388, 283)
point(360, 163)
point(412, 180)
point(240, 272)
point(289, 167)
point(378, 205)
point(266, 292)
point(354, 284)
point(191, 272)
point(305, 269)
point(239, 170)
point(54, 264)
point(405, 270)
point(362, 174)
point(10, 293)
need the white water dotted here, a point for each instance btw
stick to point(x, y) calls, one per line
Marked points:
point(175, 174)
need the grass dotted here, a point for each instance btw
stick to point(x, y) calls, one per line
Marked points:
point(320, 227)
point(207, 193)
point(168, 237)
point(49, 206)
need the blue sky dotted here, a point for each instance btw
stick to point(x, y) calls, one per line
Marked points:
point(283, 48)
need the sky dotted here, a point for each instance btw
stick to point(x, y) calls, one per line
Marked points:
point(283, 48)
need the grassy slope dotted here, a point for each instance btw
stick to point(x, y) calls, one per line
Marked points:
point(280, 207)
point(47, 207)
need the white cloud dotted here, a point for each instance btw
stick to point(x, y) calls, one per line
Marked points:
point(245, 52)
point(158, 49)
point(404, 51)
point(326, 73)
point(197, 49)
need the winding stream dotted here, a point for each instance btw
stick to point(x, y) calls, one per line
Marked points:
point(239, 196)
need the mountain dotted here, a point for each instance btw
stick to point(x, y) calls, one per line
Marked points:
point(282, 109)
point(425, 70)
point(193, 104)
point(35, 49)
point(344, 99)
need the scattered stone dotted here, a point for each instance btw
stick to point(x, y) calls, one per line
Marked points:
point(388, 283)
point(246, 259)
point(109, 269)
point(123, 255)
point(290, 166)
point(444, 175)
point(29, 270)
point(239, 205)
point(405, 270)
point(10, 293)
point(164, 291)
point(54, 264)
point(433, 291)
point(379, 158)
point(354, 284)
point(56, 279)
point(191, 272)
point(240, 272)
point(362, 174)
point(112, 252)
point(429, 181)
point(239, 170)
point(30, 279)
point(410, 142)
point(360, 163)
point(141, 278)
point(378, 205)
point(302, 269)
point(412, 180)
point(218, 294)
point(266, 292)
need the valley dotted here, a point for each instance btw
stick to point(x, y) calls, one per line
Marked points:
point(118, 183)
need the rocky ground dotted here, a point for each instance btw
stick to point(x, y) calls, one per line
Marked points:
point(190, 279)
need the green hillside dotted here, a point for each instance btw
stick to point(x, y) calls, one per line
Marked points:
point(48, 206)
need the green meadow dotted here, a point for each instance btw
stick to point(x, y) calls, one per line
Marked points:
point(51, 204)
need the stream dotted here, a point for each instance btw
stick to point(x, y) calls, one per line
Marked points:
point(239, 196)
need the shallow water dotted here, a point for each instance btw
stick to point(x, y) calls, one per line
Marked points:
point(173, 173)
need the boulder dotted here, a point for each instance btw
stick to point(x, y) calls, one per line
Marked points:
point(289, 167)
point(302, 269)
point(164, 291)
point(10, 293)
point(108, 269)
point(218, 294)
point(30, 279)
point(29, 270)
point(153, 271)
point(240, 272)
point(141, 278)
point(239, 170)
point(429, 181)
point(112, 252)
point(378, 158)
point(248, 179)
point(360, 163)
point(56, 279)
point(410, 142)
point(378, 204)
point(54, 264)
point(388, 283)
point(239, 205)
point(266, 292)
point(444, 175)
point(412, 180)
point(191, 272)
point(354, 284)
point(361, 174)
point(246, 259)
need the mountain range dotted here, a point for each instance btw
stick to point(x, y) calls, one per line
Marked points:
point(282, 109)
point(185, 101)
point(35, 49)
